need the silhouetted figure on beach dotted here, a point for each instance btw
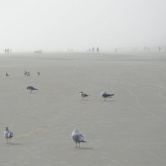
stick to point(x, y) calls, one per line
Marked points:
point(159, 49)
point(93, 50)
point(38, 51)
point(97, 49)
point(7, 50)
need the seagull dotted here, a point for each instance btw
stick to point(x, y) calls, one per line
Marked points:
point(31, 88)
point(28, 74)
point(83, 95)
point(77, 137)
point(106, 95)
point(8, 135)
point(25, 73)
point(7, 74)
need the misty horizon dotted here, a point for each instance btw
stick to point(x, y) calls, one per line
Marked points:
point(81, 25)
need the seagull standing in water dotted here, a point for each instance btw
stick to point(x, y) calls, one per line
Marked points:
point(31, 88)
point(77, 137)
point(83, 95)
point(8, 135)
point(106, 95)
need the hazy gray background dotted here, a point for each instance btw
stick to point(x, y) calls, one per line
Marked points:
point(56, 25)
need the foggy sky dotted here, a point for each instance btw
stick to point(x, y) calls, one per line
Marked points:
point(56, 25)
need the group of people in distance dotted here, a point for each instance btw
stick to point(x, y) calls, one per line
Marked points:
point(93, 50)
point(38, 51)
point(7, 50)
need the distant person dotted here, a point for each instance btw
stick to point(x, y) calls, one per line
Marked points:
point(159, 49)
point(93, 50)
point(97, 49)
point(6, 50)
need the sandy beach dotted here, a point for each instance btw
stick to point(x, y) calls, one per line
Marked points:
point(126, 130)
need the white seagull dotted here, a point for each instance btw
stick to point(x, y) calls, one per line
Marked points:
point(77, 137)
point(83, 95)
point(8, 135)
point(106, 95)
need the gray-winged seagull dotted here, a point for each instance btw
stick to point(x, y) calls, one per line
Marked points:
point(8, 135)
point(31, 88)
point(77, 137)
point(106, 95)
point(83, 95)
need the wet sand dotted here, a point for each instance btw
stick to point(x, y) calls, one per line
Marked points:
point(127, 130)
